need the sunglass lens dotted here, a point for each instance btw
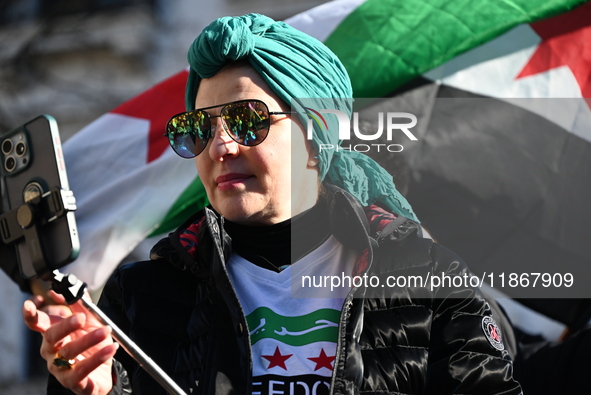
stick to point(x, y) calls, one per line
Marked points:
point(188, 133)
point(247, 122)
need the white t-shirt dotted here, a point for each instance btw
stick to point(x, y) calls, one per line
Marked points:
point(294, 328)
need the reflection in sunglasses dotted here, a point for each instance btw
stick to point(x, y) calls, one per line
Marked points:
point(246, 121)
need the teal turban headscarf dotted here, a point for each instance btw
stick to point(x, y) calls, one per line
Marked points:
point(298, 68)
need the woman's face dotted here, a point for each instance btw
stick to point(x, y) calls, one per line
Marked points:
point(253, 185)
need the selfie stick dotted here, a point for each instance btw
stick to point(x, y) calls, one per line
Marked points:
point(24, 222)
point(72, 289)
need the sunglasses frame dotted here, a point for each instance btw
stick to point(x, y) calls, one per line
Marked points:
point(224, 125)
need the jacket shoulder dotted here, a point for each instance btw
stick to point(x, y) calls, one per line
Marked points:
point(151, 294)
point(152, 279)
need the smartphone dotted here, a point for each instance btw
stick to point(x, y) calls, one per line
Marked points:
point(33, 164)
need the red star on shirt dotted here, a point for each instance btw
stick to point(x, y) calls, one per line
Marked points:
point(565, 42)
point(277, 359)
point(322, 361)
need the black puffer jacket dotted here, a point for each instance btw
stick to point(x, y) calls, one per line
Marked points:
point(185, 314)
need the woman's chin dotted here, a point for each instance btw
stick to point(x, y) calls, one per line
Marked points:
point(250, 216)
point(238, 213)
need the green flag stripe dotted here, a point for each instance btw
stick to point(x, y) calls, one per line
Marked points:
point(317, 326)
point(385, 43)
point(188, 203)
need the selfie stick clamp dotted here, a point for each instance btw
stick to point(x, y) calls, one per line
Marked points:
point(25, 221)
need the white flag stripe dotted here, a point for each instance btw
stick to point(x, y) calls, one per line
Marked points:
point(319, 22)
point(491, 70)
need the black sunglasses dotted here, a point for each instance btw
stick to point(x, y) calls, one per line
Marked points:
point(246, 122)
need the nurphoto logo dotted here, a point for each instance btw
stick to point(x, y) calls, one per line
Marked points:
point(393, 124)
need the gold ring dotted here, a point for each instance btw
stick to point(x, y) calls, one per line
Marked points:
point(63, 363)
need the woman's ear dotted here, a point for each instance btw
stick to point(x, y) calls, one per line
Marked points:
point(313, 161)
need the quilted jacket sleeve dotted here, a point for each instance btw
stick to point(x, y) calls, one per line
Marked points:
point(466, 354)
point(111, 303)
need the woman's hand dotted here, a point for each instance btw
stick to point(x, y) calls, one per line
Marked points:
point(73, 334)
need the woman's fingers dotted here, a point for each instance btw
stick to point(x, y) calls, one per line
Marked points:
point(74, 335)
point(79, 346)
point(34, 318)
point(79, 378)
point(57, 298)
point(39, 316)
point(79, 307)
point(57, 332)
point(88, 365)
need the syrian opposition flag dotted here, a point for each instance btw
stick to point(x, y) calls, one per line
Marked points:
point(129, 185)
point(126, 179)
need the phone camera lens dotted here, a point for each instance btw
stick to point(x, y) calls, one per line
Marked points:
point(10, 164)
point(20, 149)
point(6, 147)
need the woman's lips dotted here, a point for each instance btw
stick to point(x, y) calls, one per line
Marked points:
point(231, 180)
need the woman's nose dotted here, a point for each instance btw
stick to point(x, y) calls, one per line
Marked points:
point(221, 146)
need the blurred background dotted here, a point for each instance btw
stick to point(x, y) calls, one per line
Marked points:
point(76, 60)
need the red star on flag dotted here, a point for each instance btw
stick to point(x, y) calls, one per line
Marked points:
point(323, 361)
point(565, 42)
point(277, 359)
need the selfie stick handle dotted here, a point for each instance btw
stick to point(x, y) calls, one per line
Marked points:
point(72, 289)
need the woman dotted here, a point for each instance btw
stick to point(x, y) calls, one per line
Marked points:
point(218, 305)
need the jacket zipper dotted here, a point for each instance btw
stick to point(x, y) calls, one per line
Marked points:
point(342, 333)
point(345, 315)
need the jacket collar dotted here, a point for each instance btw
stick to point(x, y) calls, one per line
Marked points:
point(349, 223)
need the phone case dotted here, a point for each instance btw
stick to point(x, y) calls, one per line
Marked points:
point(32, 164)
